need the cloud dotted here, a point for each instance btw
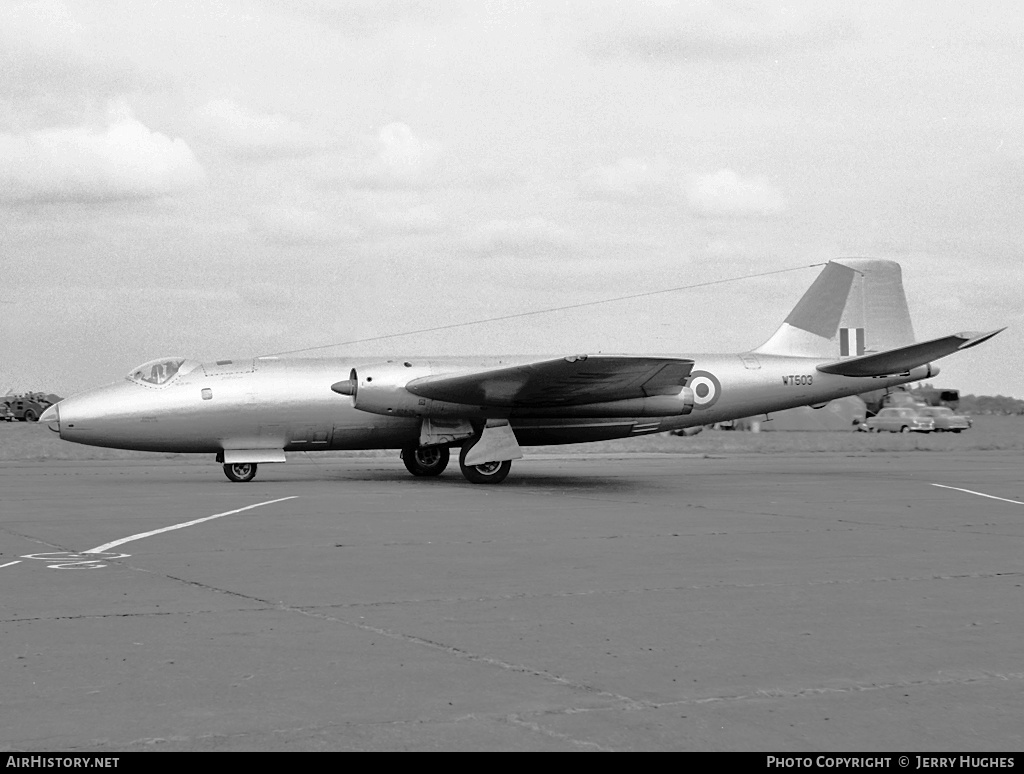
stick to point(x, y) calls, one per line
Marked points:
point(628, 179)
point(417, 219)
point(524, 236)
point(305, 215)
point(401, 158)
point(395, 159)
point(300, 225)
point(121, 160)
point(42, 25)
point(245, 133)
point(659, 32)
point(45, 49)
point(726, 193)
point(364, 18)
point(722, 193)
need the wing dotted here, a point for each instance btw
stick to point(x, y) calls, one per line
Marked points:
point(902, 359)
point(569, 381)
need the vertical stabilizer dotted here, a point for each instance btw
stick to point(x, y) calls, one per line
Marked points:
point(878, 305)
point(856, 306)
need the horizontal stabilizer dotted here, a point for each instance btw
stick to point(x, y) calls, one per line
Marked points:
point(569, 381)
point(902, 359)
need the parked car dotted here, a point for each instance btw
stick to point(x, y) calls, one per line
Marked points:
point(898, 420)
point(946, 420)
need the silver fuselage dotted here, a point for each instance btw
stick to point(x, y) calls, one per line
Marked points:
point(288, 404)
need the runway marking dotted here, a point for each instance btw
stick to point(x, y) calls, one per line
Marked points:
point(16, 561)
point(980, 494)
point(73, 560)
point(130, 538)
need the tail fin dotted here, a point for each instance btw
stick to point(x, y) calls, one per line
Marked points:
point(856, 306)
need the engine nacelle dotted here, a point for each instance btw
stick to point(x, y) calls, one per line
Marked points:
point(654, 406)
point(380, 389)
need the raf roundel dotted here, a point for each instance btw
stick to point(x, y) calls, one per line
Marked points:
point(706, 389)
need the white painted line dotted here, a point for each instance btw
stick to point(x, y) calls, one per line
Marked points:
point(10, 563)
point(108, 546)
point(71, 560)
point(980, 494)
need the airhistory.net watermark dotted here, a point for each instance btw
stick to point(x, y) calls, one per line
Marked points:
point(60, 762)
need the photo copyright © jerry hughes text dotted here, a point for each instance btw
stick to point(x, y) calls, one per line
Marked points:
point(884, 762)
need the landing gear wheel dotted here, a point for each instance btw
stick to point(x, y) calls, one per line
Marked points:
point(425, 460)
point(486, 473)
point(240, 471)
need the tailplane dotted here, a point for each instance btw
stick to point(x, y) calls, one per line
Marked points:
point(902, 359)
point(855, 307)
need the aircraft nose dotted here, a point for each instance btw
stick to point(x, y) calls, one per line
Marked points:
point(80, 417)
point(51, 418)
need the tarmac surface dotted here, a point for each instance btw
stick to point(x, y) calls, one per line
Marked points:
point(800, 602)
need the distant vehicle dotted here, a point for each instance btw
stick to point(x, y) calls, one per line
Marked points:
point(27, 407)
point(901, 399)
point(927, 395)
point(898, 420)
point(945, 419)
point(687, 431)
point(935, 396)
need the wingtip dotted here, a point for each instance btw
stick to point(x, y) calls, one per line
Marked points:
point(973, 338)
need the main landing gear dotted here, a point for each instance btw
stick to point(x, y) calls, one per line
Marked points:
point(424, 461)
point(240, 471)
point(484, 473)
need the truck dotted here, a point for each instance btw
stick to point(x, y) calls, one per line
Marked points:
point(903, 396)
point(26, 407)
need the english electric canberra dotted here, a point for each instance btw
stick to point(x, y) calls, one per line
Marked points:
point(850, 333)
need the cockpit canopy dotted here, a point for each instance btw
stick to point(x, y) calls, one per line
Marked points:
point(161, 370)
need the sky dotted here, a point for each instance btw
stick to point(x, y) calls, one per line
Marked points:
point(232, 178)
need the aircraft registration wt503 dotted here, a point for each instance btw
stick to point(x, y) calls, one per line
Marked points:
point(850, 333)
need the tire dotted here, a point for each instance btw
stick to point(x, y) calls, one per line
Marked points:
point(487, 473)
point(425, 460)
point(30, 415)
point(240, 472)
point(904, 429)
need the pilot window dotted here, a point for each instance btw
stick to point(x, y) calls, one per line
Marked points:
point(157, 371)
